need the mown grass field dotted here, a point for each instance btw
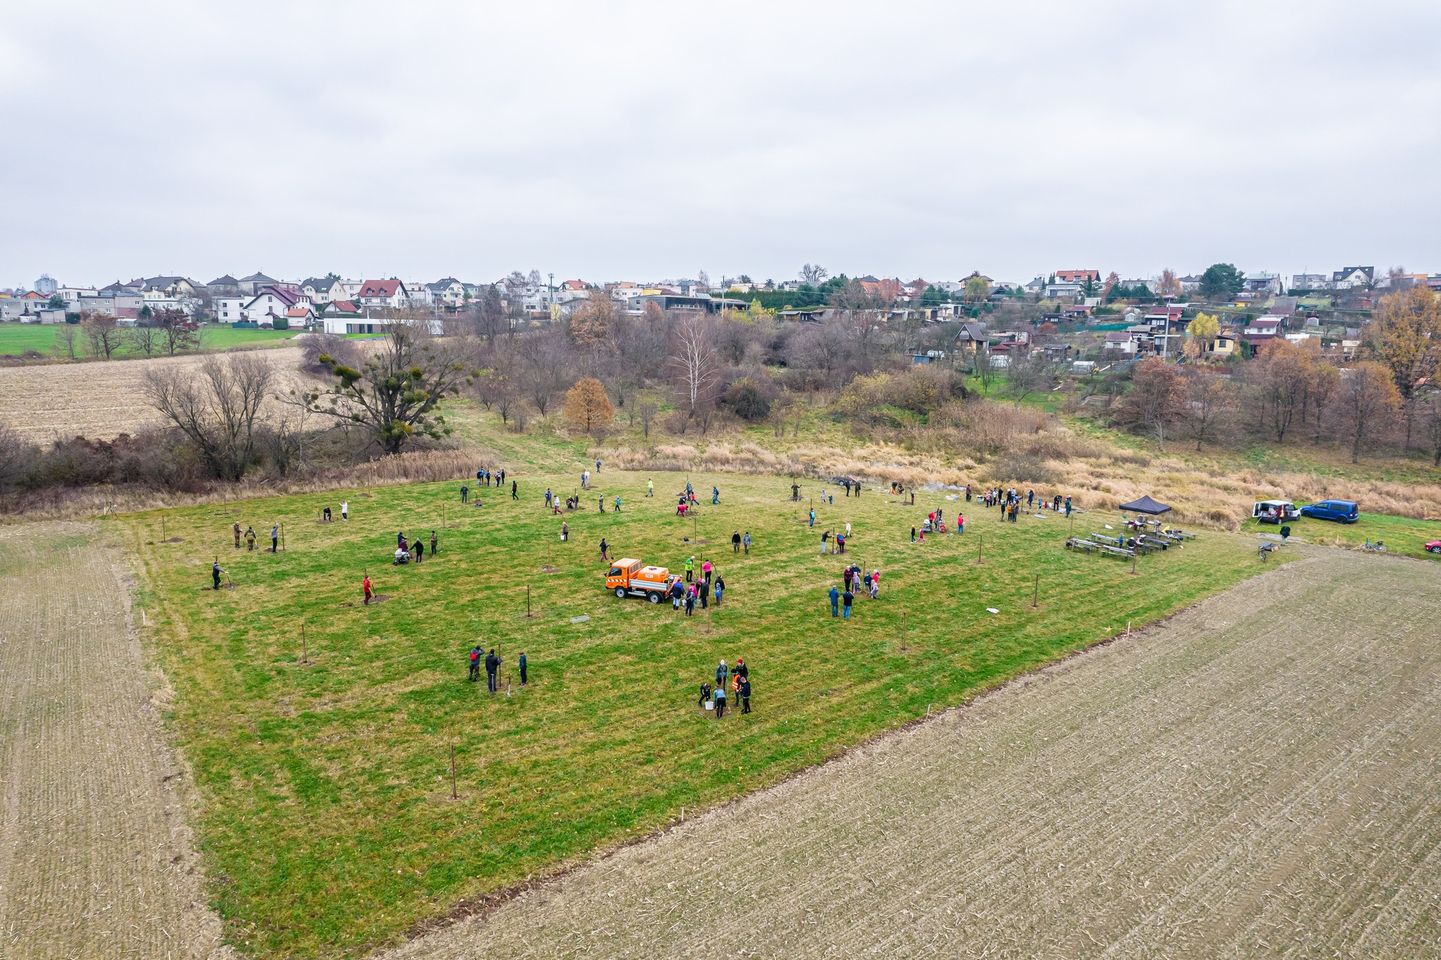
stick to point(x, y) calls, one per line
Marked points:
point(328, 824)
point(19, 338)
point(1401, 535)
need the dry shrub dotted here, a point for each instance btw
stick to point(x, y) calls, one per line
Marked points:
point(1022, 467)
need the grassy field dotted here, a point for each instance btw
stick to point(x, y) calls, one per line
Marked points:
point(328, 824)
point(19, 338)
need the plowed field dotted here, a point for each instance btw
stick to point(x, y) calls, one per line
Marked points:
point(94, 855)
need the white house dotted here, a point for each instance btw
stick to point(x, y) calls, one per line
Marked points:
point(1351, 278)
point(383, 293)
point(323, 289)
point(448, 292)
point(1264, 327)
point(73, 294)
point(419, 295)
point(270, 303)
point(229, 309)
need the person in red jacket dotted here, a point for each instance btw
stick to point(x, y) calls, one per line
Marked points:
point(365, 585)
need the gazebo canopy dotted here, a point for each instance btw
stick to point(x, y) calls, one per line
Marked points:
point(1146, 505)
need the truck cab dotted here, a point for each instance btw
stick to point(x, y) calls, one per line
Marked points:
point(629, 577)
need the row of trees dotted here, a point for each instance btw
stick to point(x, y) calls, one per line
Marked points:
point(163, 333)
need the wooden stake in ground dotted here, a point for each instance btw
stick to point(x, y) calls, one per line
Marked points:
point(1036, 592)
point(304, 649)
point(282, 536)
point(980, 540)
point(527, 601)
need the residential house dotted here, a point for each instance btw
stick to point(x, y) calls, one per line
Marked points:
point(1353, 278)
point(1062, 290)
point(1310, 281)
point(252, 284)
point(229, 309)
point(447, 292)
point(223, 286)
point(1284, 306)
point(419, 295)
point(1267, 326)
point(271, 302)
point(323, 289)
point(1189, 284)
point(383, 293)
point(1036, 287)
point(175, 287)
point(1078, 276)
point(1125, 342)
point(1225, 345)
point(301, 316)
point(886, 290)
point(46, 285)
point(72, 295)
point(971, 338)
point(1264, 284)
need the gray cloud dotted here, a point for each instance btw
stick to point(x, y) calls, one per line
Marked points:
point(650, 139)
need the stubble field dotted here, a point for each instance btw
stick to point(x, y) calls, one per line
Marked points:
point(102, 399)
point(1254, 778)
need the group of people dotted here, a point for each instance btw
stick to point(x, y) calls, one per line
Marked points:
point(1009, 501)
point(407, 550)
point(841, 539)
point(492, 664)
point(853, 581)
point(249, 536)
point(684, 594)
point(327, 517)
point(935, 522)
point(487, 478)
point(739, 681)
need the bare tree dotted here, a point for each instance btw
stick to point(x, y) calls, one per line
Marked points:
point(813, 274)
point(646, 411)
point(1208, 403)
point(696, 365)
point(103, 332)
point(144, 339)
point(179, 333)
point(216, 410)
point(1366, 404)
point(542, 366)
point(66, 341)
point(1026, 375)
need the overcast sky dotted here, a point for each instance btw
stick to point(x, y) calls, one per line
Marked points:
point(614, 140)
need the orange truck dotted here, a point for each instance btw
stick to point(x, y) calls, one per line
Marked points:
point(631, 578)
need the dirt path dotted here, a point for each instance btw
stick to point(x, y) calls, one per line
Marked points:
point(95, 860)
point(1258, 777)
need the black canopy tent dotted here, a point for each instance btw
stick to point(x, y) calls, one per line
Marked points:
point(1145, 505)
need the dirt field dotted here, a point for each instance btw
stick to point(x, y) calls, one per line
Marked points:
point(1257, 777)
point(98, 400)
point(94, 855)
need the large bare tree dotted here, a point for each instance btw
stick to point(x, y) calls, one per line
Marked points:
point(216, 408)
point(696, 365)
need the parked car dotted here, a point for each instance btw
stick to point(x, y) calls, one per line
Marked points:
point(1434, 546)
point(1341, 511)
point(1274, 511)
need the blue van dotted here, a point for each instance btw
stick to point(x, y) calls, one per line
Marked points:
point(1341, 511)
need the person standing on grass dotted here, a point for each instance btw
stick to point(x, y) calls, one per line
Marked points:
point(690, 569)
point(617, 503)
point(325, 514)
point(847, 599)
point(960, 522)
point(215, 573)
point(746, 542)
point(433, 543)
point(604, 550)
point(564, 532)
point(601, 498)
point(913, 534)
point(237, 534)
point(745, 693)
point(714, 495)
point(722, 674)
point(464, 494)
point(274, 538)
point(704, 588)
point(650, 488)
point(365, 586)
point(875, 584)
point(720, 700)
point(690, 600)
point(513, 494)
point(736, 542)
point(677, 591)
point(706, 569)
point(492, 668)
point(249, 539)
point(345, 510)
point(720, 586)
point(835, 596)
point(419, 550)
point(474, 664)
point(522, 664)
point(1068, 506)
point(813, 517)
point(825, 541)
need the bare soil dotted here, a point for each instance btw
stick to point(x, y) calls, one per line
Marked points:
point(95, 858)
point(1255, 778)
